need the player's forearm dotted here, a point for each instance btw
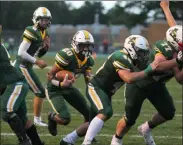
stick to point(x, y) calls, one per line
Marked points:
point(170, 19)
point(166, 65)
point(22, 52)
point(131, 77)
point(136, 76)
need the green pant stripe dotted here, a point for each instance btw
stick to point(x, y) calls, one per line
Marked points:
point(47, 96)
point(14, 96)
point(95, 98)
point(30, 81)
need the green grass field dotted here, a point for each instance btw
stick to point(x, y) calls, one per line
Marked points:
point(169, 133)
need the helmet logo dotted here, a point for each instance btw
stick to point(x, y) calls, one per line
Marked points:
point(132, 41)
point(173, 33)
point(44, 11)
point(87, 36)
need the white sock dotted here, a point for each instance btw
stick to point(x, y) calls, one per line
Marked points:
point(71, 138)
point(146, 126)
point(37, 119)
point(116, 141)
point(95, 126)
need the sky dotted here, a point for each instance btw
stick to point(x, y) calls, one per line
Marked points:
point(106, 4)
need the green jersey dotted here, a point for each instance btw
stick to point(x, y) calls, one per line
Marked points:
point(8, 74)
point(35, 36)
point(160, 47)
point(66, 59)
point(107, 77)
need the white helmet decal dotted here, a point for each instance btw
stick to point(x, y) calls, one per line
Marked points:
point(174, 36)
point(82, 37)
point(134, 43)
point(41, 12)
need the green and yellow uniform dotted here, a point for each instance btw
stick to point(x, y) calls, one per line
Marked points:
point(66, 59)
point(106, 82)
point(153, 88)
point(35, 36)
point(13, 99)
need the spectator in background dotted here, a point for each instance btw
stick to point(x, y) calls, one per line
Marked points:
point(105, 46)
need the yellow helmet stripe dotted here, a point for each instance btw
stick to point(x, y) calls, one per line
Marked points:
point(44, 11)
point(87, 36)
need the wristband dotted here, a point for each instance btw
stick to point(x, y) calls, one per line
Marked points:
point(55, 82)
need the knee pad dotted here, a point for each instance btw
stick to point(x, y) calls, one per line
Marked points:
point(7, 116)
point(129, 121)
point(66, 121)
point(107, 112)
point(169, 115)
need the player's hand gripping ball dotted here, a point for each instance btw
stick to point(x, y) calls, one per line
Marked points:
point(61, 75)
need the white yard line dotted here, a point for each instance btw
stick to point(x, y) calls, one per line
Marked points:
point(102, 135)
point(114, 115)
point(114, 100)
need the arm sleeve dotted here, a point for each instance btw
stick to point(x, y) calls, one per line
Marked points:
point(122, 63)
point(29, 35)
point(22, 51)
point(61, 60)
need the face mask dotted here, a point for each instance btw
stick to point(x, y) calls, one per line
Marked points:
point(85, 49)
point(142, 59)
point(44, 23)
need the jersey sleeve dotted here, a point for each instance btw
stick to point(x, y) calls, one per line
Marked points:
point(123, 63)
point(29, 34)
point(162, 47)
point(62, 59)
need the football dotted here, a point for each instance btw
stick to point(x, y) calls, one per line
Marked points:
point(61, 75)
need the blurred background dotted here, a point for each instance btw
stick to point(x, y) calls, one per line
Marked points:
point(110, 22)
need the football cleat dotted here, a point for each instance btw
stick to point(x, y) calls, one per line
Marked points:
point(40, 123)
point(52, 125)
point(25, 142)
point(95, 141)
point(116, 141)
point(145, 131)
point(62, 142)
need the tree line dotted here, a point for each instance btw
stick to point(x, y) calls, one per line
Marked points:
point(18, 14)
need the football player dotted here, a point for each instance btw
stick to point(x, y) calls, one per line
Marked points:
point(174, 40)
point(77, 60)
point(136, 93)
point(34, 45)
point(13, 105)
point(116, 70)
